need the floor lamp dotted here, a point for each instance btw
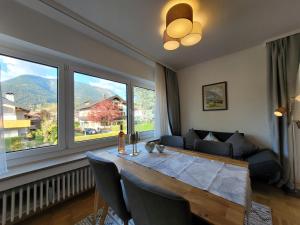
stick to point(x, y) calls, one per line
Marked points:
point(280, 112)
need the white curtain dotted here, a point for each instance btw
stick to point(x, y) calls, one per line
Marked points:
point(3, 165)
point(296, 135)
point(161, 114)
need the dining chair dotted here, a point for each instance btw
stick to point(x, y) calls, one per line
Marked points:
point(214, 148)
point(108, 185)
point(151, 205)
point(173, 141)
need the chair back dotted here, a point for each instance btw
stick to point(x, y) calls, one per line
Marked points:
point(173, 141)
point(108, 184)
point(214, 148)
point(150, 205)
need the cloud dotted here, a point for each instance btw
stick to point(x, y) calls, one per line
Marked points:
point(118, 88)
point(11, 68)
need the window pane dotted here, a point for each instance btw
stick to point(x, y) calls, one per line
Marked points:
point(100, 107)
point(144, 109)
point(29, 99)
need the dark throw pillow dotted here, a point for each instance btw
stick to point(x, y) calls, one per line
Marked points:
point(190, 138)
point(241, 146)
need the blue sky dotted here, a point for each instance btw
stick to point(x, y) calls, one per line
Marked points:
point(11, 68)
point(118, 88)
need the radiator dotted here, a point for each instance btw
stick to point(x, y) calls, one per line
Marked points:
point(26, 200)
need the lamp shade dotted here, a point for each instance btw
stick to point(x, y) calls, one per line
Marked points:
point(280, 111)
point(179, 20)
point(170, 43)
point(297, 98)
point(194, 37)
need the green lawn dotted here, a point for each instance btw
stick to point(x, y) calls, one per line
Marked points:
point(144, 126)
point(13, 144)
point(115, 130)
point(95, 136)
point(18, 143)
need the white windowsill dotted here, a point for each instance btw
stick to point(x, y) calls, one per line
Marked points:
point(31, 169)
point(41, 165)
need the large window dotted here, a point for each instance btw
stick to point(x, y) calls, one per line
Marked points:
point(144, 109)
point(29, 100)
point(99, 107)
point(49, 105)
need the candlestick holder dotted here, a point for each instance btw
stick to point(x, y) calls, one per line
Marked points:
point(133, 139)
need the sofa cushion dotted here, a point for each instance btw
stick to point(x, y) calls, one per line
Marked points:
point(210, 137)
point(190, 138)
point(222, 136)
point(241, 146)
point(264, 165)
point(213, 147)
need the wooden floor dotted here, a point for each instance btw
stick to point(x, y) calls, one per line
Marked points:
point(67, 213)
point(286, 209)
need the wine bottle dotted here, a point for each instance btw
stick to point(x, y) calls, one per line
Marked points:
point(121, 140)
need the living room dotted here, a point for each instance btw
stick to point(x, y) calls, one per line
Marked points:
point(191, 105)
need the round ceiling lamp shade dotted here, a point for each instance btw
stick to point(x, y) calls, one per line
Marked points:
point(194, 37)
point(179, 20)
point(170, 43)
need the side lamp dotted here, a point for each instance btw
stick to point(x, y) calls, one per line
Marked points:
point(280, 112)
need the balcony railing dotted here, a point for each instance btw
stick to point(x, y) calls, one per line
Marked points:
point(9, 124)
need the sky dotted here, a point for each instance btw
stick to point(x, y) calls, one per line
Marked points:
point(12, 67)
point(118, 88)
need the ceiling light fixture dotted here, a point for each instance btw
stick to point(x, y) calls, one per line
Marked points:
point(180, 27)
point(170, 43)
point(179, 20)
point(194, 37)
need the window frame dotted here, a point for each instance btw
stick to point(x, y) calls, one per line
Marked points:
point(67, 65)
point(33, 152)
point(102, 74)
point(149, 86)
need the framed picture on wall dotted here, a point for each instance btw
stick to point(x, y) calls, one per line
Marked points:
point(214, 96)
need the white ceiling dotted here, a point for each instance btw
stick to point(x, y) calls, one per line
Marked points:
point(231, 25)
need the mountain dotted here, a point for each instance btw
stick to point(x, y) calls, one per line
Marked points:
point(85, 92)
point(33, 90)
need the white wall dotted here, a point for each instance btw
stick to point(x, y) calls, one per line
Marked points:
point(25, 24)
point(247, 112)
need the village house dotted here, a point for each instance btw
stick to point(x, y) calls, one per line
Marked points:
point(14, 118)
point(87, 109)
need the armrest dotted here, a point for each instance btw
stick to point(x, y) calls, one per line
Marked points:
point(265, 165)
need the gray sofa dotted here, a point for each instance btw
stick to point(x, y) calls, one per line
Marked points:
point(263, 163)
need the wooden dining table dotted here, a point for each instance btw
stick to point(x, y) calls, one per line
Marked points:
point(214, 209)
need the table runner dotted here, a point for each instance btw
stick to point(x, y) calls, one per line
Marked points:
point(225, 180)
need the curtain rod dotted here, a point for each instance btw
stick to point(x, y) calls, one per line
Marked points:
point(281, 36)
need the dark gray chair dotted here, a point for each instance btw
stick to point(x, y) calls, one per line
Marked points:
point(214, 148)
point(173, 141)
point(151, 205)
point(108, 184)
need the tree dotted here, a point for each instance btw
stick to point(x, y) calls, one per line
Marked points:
point(144, 100)
point(45, 115)
point(105, 112)
point(48, 131)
